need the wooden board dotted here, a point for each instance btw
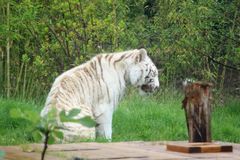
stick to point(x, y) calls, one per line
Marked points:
point(113, 151)
point(199, 147)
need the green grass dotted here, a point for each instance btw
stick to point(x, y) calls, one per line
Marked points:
point(162, 118)
point(226, 122)
point(153, 118)
point(15, 131)
point(148, 118)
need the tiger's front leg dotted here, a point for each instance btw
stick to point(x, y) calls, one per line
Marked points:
point(104, 124)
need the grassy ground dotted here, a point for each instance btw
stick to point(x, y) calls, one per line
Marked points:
point(15, 131)
point(137, 118)
point(154, 119)
point(148, 118)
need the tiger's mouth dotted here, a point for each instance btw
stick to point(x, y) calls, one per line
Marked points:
point(147, 88)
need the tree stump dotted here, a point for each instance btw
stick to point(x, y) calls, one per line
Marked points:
point(197, 107)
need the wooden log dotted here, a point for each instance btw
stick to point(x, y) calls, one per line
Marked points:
point(197, 109)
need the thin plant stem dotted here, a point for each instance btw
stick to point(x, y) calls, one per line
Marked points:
point(45, 144)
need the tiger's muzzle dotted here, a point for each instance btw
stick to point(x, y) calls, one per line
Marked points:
point(149, 88)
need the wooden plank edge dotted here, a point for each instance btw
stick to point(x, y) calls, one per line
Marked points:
point(199, 149)
point(177, 148)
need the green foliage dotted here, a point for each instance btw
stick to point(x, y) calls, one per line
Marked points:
point(49, 123)
point(21, 123)
point(85, 121)
point(68, 117)
point(183, 37)
point(43, 125)
point(48, 126)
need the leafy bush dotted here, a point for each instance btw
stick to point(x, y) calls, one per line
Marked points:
point(48, 127)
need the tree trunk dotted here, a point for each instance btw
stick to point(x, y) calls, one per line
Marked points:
point(1, 71)
point(24, 80)
point(221, 85)
point(8, 52)
point(114, 40)
point(18, 79)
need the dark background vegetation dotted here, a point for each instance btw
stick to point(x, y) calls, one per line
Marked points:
point(39, 39)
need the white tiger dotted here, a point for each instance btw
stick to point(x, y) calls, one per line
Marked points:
point(97, 86)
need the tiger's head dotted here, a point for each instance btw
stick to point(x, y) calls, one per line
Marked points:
point(143, 73)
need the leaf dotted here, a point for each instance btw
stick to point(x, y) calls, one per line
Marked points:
point(58, 134)
point(87, 121)
point(63, 117)
point(37, 136)
point(74, 112)
point(51, 139)
point(52, 114)
point(66, 118)
point(60, 127)
point(32, 116)
point(42, 129)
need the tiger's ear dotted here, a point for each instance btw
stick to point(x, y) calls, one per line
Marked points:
point(142, 55)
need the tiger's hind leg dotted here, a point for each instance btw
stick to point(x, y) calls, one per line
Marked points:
point(76, 131)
